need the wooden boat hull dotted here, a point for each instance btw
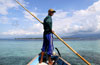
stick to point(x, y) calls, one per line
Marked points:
point(57, 61)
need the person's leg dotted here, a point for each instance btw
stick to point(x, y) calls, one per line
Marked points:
point(50, 44)
point(50, 61)
point(43, 48)
point(41, 60)
point(50, 48)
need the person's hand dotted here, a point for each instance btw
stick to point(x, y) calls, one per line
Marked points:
point(52, 31)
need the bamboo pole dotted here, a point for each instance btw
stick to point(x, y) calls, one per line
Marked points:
point(57, 36)
point(29, 12)
point(71, 49)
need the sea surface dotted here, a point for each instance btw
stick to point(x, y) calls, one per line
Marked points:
point(20, 52)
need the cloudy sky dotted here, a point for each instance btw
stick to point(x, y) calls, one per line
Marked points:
point(72, 17)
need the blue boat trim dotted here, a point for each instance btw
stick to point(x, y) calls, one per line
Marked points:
point(34, 61)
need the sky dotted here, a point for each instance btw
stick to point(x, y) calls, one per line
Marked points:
point(72, 17)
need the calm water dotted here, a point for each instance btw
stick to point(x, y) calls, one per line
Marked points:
point(20, 52)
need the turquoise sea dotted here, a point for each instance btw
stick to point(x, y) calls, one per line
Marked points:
point(20, 52)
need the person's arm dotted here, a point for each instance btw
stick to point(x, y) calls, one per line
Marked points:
point(52, 31)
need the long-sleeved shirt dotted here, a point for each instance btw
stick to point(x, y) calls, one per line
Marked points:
point(47, 24)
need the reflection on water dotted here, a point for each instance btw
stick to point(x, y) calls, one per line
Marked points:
point(92, 57)
point(15, 52)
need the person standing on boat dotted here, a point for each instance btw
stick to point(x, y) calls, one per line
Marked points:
point(47, 37)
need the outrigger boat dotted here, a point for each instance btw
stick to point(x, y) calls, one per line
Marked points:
point(56, 58)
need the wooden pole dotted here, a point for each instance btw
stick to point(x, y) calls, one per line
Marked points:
point(71, 49)
point(29, 12)
point(57, 36)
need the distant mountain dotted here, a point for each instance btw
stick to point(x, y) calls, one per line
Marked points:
point(84, 36)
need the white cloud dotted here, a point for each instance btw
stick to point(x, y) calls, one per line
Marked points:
point(30, 17)
point(37, 14)
point(20, 32)
point(60, 14)
point(4, 19)
point(36, 29)
point(98, 24)
point(82, 21)
point(5, 5)
point(16, 32)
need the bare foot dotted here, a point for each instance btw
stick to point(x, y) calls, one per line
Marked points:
point(50, 63)
point(41, 61)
